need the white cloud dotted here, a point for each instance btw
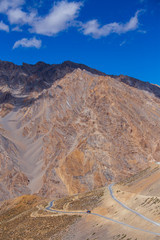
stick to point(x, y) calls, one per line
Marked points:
point(122, 43)
point(4, 27)
point(27, 43)
point(14, 12)
point(17, 16)
point(142, 31)
point(17, 29)
point(60, 18)
point(5, 5)
point(93, 28)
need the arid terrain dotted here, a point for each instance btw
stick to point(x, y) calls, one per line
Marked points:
point(67, 128)
point(72, 140)
point(28, 217)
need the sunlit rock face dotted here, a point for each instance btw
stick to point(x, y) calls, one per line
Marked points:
point(68, 128)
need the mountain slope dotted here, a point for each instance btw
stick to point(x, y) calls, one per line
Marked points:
point(65, 130)
point(30, 217)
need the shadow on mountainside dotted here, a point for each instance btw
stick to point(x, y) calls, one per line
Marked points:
point(19, 81)
point(133, 82)
point(28, 78)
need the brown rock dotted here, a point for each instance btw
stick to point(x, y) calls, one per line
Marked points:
point(77, 134)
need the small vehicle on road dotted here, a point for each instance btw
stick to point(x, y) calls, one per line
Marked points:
point(88, 211)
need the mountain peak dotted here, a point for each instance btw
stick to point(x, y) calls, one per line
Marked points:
point(36, 77)
point(65, 131)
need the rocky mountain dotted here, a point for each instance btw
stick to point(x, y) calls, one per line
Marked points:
point(66, 128)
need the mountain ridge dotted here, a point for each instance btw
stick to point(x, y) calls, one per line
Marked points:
point(52, 72)
point(78, 133)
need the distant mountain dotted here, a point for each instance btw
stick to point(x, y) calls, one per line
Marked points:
point(66, 128)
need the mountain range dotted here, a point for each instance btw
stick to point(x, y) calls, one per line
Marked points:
point(67, 128)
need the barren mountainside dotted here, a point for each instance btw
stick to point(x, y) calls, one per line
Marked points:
point(67, 128)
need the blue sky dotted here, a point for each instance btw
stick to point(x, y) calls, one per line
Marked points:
point(116, 37)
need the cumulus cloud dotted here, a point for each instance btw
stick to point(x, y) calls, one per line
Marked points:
point(4, 27)
point(5, 5)
point(94, 29)
point(60, 18)
point(17, 16)
point(27, 43)
point(14, 12)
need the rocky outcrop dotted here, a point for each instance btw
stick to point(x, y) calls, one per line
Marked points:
point(67, 128)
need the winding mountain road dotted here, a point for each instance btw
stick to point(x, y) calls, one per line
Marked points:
point(131, 210)
point(49, 208)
